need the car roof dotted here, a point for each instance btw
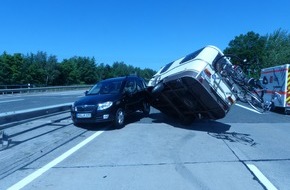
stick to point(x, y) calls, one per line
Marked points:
point(120, 78)
point(113, 79)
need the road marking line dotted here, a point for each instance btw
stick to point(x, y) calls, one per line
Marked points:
point(16, 100)
point(248, 108)
point(28, 179)
point(261, 177)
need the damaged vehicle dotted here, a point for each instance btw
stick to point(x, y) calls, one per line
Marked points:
point(111, 100)
point(190, 88)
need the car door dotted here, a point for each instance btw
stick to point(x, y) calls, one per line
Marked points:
point(141, 91)
point(131, 98)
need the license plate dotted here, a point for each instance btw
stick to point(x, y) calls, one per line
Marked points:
point(84, 115)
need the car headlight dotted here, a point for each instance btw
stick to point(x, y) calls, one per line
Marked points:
point(105, 105)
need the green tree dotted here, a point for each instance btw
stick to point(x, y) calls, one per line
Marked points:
point(68, 72)
point(248, 46)
point(121, 69)
point(51, 70)
point(11, 68)
point(87, 70)
point(78, 70)
point(42, 70)
point(35, 70)
point(147, 73)
point(100, 71)
point(277, 49)
point(271, 50)
point(105, 71)
point(16, 63)
point(5, 70)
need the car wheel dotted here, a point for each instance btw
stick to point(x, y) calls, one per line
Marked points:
point(146, 108)
point(157, 89)
point(119, 118)
point(76, 123)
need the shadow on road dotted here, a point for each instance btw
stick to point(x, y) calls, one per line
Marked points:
point(198, 125)
point(108, 126)
point(8, 142)
point(241, 138)
point(213, 128)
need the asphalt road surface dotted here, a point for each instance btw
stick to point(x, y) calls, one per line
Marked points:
point(244, 150)
point(18, 102)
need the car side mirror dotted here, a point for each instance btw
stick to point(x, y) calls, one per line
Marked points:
point(86, 93)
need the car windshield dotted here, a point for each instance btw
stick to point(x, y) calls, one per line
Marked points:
point(106, 87)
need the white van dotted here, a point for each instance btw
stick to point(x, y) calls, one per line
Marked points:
point(189, 87)
point(276, 81)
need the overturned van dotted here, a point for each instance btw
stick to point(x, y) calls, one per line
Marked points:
point(189, 88)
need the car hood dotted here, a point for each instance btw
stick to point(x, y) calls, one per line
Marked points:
point(95, 99)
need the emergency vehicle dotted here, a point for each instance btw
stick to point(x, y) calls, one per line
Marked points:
point(276, 81)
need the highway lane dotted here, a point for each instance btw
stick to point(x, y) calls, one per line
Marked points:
point(17, 102)
point(238, 114)
point(244, 150)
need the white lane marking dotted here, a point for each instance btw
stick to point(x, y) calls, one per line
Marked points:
point(248, 108)
point(25, 181)
point(16, 100)
point(261, 177)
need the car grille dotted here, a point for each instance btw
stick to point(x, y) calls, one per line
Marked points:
point(86, 108)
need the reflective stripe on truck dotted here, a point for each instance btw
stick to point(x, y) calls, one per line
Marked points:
point(288, 88)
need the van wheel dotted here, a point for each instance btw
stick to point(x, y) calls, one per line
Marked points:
point(119, 118)
point(158, 89)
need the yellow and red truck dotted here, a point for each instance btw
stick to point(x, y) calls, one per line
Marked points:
point(276, 81)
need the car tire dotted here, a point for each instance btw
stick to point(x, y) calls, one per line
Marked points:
point(157, 89)
point(119, 118)
point(146, 108)
point(76, 124)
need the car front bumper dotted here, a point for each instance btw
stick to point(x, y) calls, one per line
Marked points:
point(93, 116)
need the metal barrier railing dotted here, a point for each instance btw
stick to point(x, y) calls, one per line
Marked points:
point(43, 89)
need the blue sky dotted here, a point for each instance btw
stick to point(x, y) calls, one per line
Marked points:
point(142, 33)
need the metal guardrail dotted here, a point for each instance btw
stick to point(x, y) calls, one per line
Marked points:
point(10, 117)
point(43, 89)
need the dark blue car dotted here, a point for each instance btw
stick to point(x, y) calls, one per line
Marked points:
point(111, 100)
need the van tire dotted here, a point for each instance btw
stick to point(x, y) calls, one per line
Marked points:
point(158, 89)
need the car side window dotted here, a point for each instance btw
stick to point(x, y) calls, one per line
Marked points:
point(140, 85)
point(130, 86)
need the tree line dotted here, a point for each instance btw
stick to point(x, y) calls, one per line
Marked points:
point(40, 69)
point(261, 51)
